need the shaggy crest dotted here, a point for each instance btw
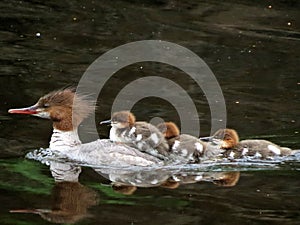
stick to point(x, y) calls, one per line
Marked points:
point(229, 136)
point(65, 103)
point(123, 117)
point(169, 129)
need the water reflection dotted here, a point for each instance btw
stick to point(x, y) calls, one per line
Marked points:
point(71, 200)
point(254, 55)
point(168, 178)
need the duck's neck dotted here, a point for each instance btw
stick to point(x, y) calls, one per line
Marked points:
point(61, 140)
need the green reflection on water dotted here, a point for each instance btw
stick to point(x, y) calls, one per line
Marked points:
point(121, 199)
point(9, 221)
point(24, 175)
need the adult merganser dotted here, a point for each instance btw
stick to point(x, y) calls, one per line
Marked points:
point(228, 140)
point(67, 110)
point(186, 146)
point(144, 136)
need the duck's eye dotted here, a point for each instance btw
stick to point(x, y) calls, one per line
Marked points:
point(46, 105)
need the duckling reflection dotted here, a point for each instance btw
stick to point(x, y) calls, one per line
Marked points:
point(124, 189)
point(71, 199)
point(222, 179)
point(141, 178)
point(225, 179)
point(128, 183)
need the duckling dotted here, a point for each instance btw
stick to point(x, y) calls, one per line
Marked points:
point(186, 147)
point(228, 140)
point(142, 135)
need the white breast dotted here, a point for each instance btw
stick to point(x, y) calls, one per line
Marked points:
point(61, 140)
point(113, 135)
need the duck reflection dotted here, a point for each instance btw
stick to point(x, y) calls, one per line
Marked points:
point(127, 183)
point(224, 179)
point(70, 203)
point(70, 199)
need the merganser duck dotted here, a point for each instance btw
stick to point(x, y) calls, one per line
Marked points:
point(228, 140)
point(144, 136)
point(67, 110)
point(186, 146)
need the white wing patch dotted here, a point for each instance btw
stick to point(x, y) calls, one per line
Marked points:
point(245, 151)
point(132, 130)
point(257, 155)
point(274, 149)
point(155, 138)
point(231, 155)
point(139, 137)
point(184, 152)
point(175, 145)
point(199, 147)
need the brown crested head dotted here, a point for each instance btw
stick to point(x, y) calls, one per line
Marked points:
point(229, 138)
point(64, 107)
point(169, 129)
point(123, 119)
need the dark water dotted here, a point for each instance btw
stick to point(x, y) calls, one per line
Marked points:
point(253, 48)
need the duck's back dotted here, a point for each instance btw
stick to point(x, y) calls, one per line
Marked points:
point(106, 152)
point(187, 147)
point(148, 137)
point(193, 149)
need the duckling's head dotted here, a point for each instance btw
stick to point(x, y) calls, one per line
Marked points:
point(227, 179)
point(64, 107)
point(168, 129)
point(228, 138)
point(120, 120)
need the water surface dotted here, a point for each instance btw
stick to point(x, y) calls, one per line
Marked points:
point(251, 47)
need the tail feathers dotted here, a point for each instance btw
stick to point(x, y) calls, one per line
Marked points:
point(295, 152)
